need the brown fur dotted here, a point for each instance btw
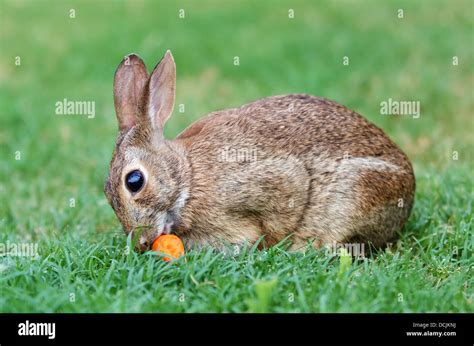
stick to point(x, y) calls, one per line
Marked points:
point(318, 173)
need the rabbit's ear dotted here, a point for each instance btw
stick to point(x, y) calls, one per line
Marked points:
point(161, 91)
point(130, 80)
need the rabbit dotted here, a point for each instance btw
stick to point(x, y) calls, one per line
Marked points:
point(294, 167)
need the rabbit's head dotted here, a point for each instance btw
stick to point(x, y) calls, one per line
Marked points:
point(145, 186)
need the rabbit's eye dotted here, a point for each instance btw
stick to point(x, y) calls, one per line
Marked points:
point(134, 180)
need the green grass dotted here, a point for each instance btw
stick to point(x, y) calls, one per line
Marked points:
point(82, 250)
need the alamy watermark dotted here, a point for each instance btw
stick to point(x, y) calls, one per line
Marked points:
point(228, 154)
point(19, 249)
point(394, 107)
point(37, 329)
point(353, 249)
point(67, 107)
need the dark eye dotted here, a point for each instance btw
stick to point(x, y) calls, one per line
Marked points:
point(134, 180)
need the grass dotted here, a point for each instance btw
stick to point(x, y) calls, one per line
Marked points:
point(83, 265)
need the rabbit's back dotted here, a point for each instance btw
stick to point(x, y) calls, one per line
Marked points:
point(296, 165)
point(295, 124)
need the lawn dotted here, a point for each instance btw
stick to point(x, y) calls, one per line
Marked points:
point(53, 166)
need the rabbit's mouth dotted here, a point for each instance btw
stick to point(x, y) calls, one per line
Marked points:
point(167, 228)
point(168, 225)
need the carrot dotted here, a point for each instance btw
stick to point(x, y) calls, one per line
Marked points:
point(170, 245)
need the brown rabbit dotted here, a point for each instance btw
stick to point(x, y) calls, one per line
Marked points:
point(293, 166)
